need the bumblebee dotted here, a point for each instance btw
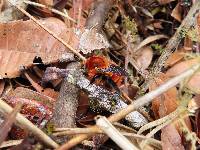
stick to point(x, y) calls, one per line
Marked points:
point(99, 67)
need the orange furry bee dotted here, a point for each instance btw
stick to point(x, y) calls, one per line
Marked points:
point(100, 67)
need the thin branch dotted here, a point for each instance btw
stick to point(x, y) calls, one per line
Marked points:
point(71, 131)
point(162, 120)
point(51, 9)
point(114, 134)
point(136, 104)
point(50, 32)
point(24, 123)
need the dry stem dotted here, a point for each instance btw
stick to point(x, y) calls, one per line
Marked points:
point(114, 134)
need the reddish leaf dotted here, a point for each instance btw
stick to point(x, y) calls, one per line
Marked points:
point(170, 138)
point(176, 13)
point(174, 58)
point(194, 82)
point(36, 112)
point(166, 103)
point(48, 91)
point(25, 93)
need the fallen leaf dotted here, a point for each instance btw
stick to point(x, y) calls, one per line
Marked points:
point(2, 84)
point(144, 57)
point(174, 58)
point(1, 4)
point(36, 112)
point(194, 82)
point(166, 103)
point(130, 90)
point(22, 41)
point(163, 2)
point(194, 104)
point(171, 139)
point(176, 13)
point(149, 40)
point(46, 2)
point(197, 122)
point(188, 44)
point(45, 91)
point(92, 40)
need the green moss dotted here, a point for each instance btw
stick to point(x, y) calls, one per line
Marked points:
point(131, 26)
point(157, 47)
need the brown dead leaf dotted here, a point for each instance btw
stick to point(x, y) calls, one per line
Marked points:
point(170, 138)
point(176, 13)
point(197, 122)
point(188, 44)
point(21, 41)
point(194, 83)
point(8, 122)
point(149, 40)
point(48, 91)
point(194, 103)
point(46, 2)
point(144, 57)
point(163, 2)
point(174, 58)
point(1, 4)
point(166, 103)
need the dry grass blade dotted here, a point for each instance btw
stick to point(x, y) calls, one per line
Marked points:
point(136, 104)
point(51, 9)
point(8, 122)
point(149, 40)
point(24, 123)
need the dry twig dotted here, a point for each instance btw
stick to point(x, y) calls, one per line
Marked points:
point(114, 134)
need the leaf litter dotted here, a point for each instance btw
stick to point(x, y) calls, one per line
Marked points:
point(131, 36)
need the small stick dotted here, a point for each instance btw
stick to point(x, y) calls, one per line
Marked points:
point(141, 101)
point(24, 123)
point(50, 32)
point(51, 9)
point(114, 134)
point(71, 131)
